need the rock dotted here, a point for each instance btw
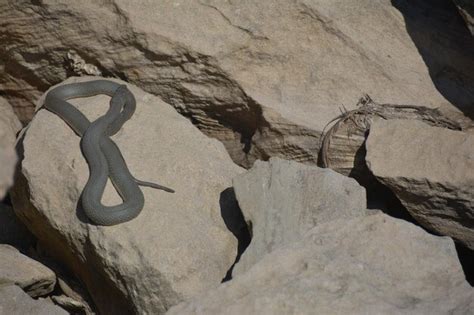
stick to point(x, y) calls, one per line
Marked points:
point(33, 277)
point(264, 86)
point(13, 301)
point(71, 305)
point(367, 265)
point(282, 200)
point(13, 231)
point(429, 170)
point(176, 248)
point(466, 8)
point(9, 126)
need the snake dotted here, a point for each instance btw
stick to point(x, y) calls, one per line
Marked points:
point(102, 154)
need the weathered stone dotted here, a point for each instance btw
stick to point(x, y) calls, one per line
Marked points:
point(177, 247)
point(71, 305)
point(466, 8)
point(9, 126)
point(33, 277)
point(369, 265)
point(430, 170)
point(13, 301)
point(13, 231)
point(264, 77)
point(284, 199)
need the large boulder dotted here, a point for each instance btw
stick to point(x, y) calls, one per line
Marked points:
point(374, 264)
point(9, 126)
point(14, 301)
point(176, 248)
point(430, 170)
point(282, 200)
point(33, 277)
point(264, 77)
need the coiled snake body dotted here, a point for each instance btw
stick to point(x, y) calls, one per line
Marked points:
point(102, 154)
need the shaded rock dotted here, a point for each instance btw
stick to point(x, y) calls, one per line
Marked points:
point(71, 305)
point(269, 85)
point(176, 248)
point(282, 200)
point(33, 277)
point(368, 265)
point(9, 126)
point(430, 170)
point(466, 8)
point(14, 301)
point(12, 230)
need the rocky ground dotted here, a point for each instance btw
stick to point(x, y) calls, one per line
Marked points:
point(322, 154)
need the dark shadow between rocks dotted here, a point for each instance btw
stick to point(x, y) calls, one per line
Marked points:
point(466, 257)
point(235, 222)
point(446, 46)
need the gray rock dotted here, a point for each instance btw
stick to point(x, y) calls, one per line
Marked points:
point(13, 301)
point(430, 170)
point(9, 126)
point(284, 199)
point(33, 277)
point(176, 248)
point(368, 265)
point(264, 86)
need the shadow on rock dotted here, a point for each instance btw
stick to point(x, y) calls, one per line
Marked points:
point(235, 222)
point(446, 46)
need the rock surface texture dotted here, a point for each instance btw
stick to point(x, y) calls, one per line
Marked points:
point(33, 277)
point(176, 248)
point(368, 265)
point(14, 301)
point(316, 250)
point(430, 170)
point(264, 77)
point(9, 126)
point(284, 199)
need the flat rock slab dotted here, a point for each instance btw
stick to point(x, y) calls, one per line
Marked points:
point(431, 171)
point(176, 248)
point(33, 277)
point(284, 199)
point(368, 265)
point(13, 301)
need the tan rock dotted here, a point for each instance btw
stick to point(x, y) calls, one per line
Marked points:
point(282, 200)
point(176, 248)
point(264, 77)
point(33, 277)
point(367, 265)
point(9, 126)
point(430, 170)
point(13, 301)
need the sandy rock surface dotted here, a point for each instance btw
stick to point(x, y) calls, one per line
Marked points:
point(284, 199)
point(264, 77)
point(368, 265)
point(430, 170)
point(33, 277)
point(14, 301)
point(176, 248)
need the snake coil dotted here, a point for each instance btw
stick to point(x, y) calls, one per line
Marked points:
point(101, 153)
